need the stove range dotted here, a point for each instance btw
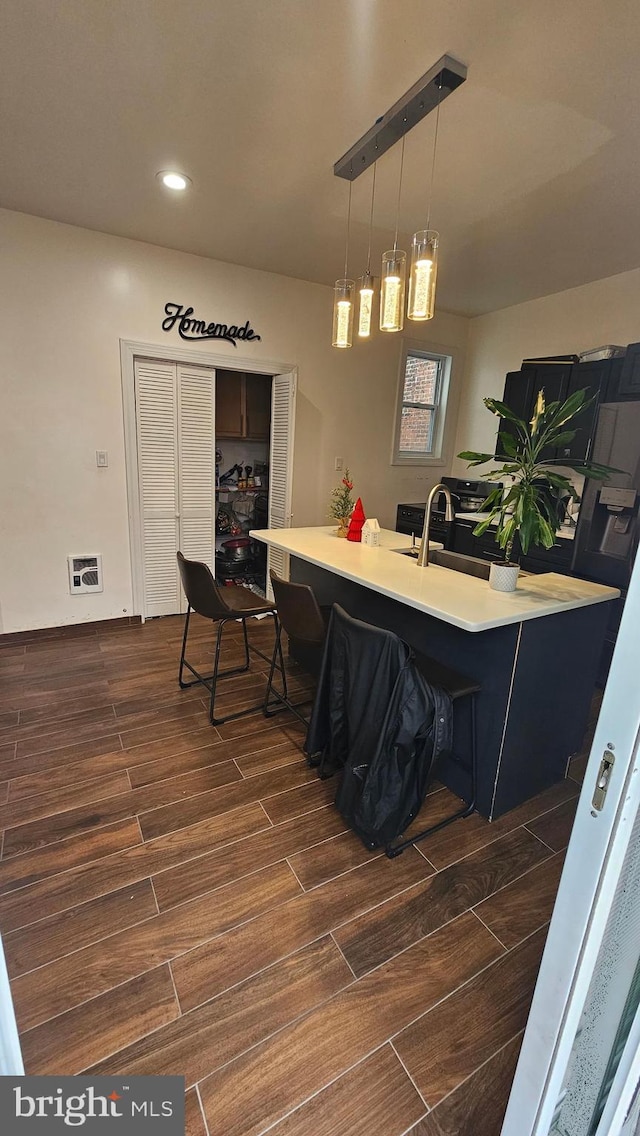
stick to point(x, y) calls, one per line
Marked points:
point(468, 497)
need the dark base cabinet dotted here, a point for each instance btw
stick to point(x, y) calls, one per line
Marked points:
point(556, 559)
point(484, 547)
point(537, 680)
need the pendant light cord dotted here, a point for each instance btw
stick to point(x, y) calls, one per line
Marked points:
point(433, 160)
point(373, 194)
point(395, 239)
point(346, 250)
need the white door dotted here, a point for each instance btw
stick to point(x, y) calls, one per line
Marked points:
point(283, 416)
point(10, 1055)
point(196, 463)
point(175, 407)
point(579, 1068)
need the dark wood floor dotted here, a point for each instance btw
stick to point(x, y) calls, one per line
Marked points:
point(181, 899)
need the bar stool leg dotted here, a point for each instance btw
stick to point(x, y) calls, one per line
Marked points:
point(214, 677)
point(277, 651)
point(183, 685)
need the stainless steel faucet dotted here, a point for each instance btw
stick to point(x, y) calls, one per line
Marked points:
point(423, 555)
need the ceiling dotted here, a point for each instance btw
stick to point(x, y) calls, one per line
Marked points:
point(538, 161)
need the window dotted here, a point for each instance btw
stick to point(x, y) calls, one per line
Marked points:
point(421, 405)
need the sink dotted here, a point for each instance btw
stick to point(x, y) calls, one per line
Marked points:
point(458, 562)
point(455, 561)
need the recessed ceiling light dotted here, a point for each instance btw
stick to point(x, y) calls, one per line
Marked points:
point(173, 180)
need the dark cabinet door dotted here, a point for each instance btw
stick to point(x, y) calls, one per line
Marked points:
point(630, 377)
point(483, 547)
point(553, 379)
point(593, 377)
point(243, 405)
point(521, 391)
point(613, 392)
point(258, 416)
point(229, 404)
point(463, 540)
point(517, 396)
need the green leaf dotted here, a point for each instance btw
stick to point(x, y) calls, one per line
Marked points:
point(561, 438)
point(503, 411)
point(558, 481)
point(576, 402)
point(507, 442)
point(547, 533)
point(527, 530)
point(475, 458)
point(593, 470)
point(494, 498)
point(482, 526)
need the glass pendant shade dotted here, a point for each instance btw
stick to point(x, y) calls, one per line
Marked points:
point(343, 296)
point(365, 312)
point(422, 275)
point(394, 264)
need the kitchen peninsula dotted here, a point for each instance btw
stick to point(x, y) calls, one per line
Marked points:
point(535, 651)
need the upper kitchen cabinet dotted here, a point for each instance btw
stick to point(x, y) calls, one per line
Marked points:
point(243, 405)
point(521, 394)
point(629, 382)
point(517, 396)
point(258, 405)
point(594, 378)
point(559, 380)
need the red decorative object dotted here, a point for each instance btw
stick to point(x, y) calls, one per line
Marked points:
point(357, 520)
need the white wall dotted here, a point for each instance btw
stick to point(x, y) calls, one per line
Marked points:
point(606, 311)
point(67, 296)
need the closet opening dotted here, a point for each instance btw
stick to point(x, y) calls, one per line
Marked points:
point(243, 444)
point(209, 455)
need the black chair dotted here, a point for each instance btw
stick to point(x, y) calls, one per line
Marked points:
point(380, 712)
point(457, 686)
point(299, 614)
point(222, 605)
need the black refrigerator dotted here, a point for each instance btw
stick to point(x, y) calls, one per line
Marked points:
point(608, 529)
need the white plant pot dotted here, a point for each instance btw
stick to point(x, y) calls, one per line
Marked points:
point(503, 577)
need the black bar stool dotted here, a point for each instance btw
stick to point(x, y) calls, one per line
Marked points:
point(222, 605)
point(299, 614)
point(383, 716)
point(457, 686)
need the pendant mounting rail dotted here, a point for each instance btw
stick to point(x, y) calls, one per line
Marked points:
point(423, 97)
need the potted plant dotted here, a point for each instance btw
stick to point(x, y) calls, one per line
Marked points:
point(529, 509)
point(342, 504)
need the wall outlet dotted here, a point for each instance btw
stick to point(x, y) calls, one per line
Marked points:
point(338, 464)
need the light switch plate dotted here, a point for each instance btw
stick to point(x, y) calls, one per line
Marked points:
point(102, 459)
point(338, 464)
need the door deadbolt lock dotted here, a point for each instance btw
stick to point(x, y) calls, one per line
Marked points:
point(602, 782)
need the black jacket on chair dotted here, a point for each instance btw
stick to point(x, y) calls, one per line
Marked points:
point(376, 718)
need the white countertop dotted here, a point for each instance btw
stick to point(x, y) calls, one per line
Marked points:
point(454, 597)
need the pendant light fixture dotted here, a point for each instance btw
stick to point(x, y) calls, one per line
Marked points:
point(343, 297)
point(424, 253)
point(424, 96)
point(394, 266)
point(367, 282)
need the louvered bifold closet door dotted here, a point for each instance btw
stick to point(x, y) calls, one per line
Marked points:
point(196, 462)
point(156, 418)
point(283, 413)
